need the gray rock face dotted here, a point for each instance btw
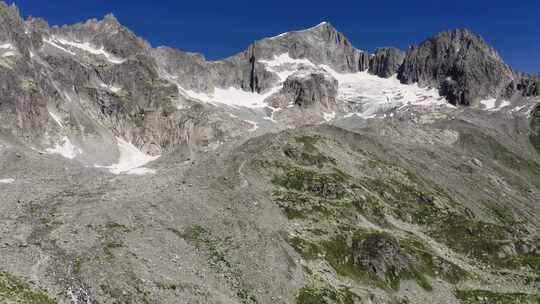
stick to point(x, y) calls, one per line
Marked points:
point(386, 62)
point(526, 86)
point(460, 64)
point(322, 44)
point(381, 255)
point(307, 88)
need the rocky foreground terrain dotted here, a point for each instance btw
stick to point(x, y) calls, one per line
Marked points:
point(301, 170)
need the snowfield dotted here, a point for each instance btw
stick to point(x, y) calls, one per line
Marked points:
point(65, 148)
point(7, 180)
point(130, 160)
point(84, 46)
point(491, 104)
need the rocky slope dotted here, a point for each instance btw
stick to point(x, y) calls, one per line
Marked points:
point(301, 170)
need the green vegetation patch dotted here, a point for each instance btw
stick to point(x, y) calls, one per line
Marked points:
point(303, 151)
point(409, 201)
point(326, 295)
point(13, 290)
point(202, 238)
point(380, 259)
point(489, 297)
point(474, 238)
point(326, 185)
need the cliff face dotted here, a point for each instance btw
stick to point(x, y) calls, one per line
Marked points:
point(460, 64)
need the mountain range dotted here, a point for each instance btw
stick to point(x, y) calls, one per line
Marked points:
point(301, 170)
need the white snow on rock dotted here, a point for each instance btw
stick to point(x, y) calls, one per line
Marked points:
point(6, 180)
point(284, 66)
point(8, 50)
point(85, 46)
point(7, 46)
point(233, 97)
point(111, 88)
point(56, 118)
point(329, 116)
point(371, 94)
point(65, 148)
point(491, 104)
point(131, 160)
point(367, 94)
point(309, 29)
point(9, 54)
point(56, 45)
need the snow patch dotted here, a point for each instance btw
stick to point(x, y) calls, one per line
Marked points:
point(7, 46)
point(329, 116)
point(85, 46)
point(284, 66)
point(6, 180)
point(233, 97)
point(9, 54)
point(370, 94)
point(254, 124)
point(504, 104)
point(111, 88)
point(53, 43)
point(56, 118)
point(8, 49)
point(65, 148)
point(490, 104)
point(300, 31)
point(131, 160)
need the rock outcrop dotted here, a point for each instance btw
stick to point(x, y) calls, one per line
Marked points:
point(526, 86)
point(460, 64)
point(386, 62)
point(305, 89)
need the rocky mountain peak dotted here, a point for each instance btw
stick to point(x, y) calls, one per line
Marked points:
point(460, 64)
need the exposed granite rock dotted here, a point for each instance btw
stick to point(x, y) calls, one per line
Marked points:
point(322, 44)
point(307, 88)
point(380, 254)
point(385, 62)
point(526, 86)
point(460, 64)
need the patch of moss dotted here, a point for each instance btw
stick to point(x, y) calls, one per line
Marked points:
point(477, 239)
point(203, 239)
point(327, 185)
point(167, 286)
point(341, 256)
point(485, 297)
point(325, 295)
point(109, 246)
point(307, 249)
point(504, 215)
point(14, 290)
point(531, 261)
point(246, 297)
point(309, 142)
point(409, 202)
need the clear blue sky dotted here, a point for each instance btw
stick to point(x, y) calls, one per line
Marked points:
point(222, 28)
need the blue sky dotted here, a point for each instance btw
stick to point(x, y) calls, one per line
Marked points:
point(222, 28)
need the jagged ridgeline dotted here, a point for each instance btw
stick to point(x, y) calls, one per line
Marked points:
point(302, 170)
